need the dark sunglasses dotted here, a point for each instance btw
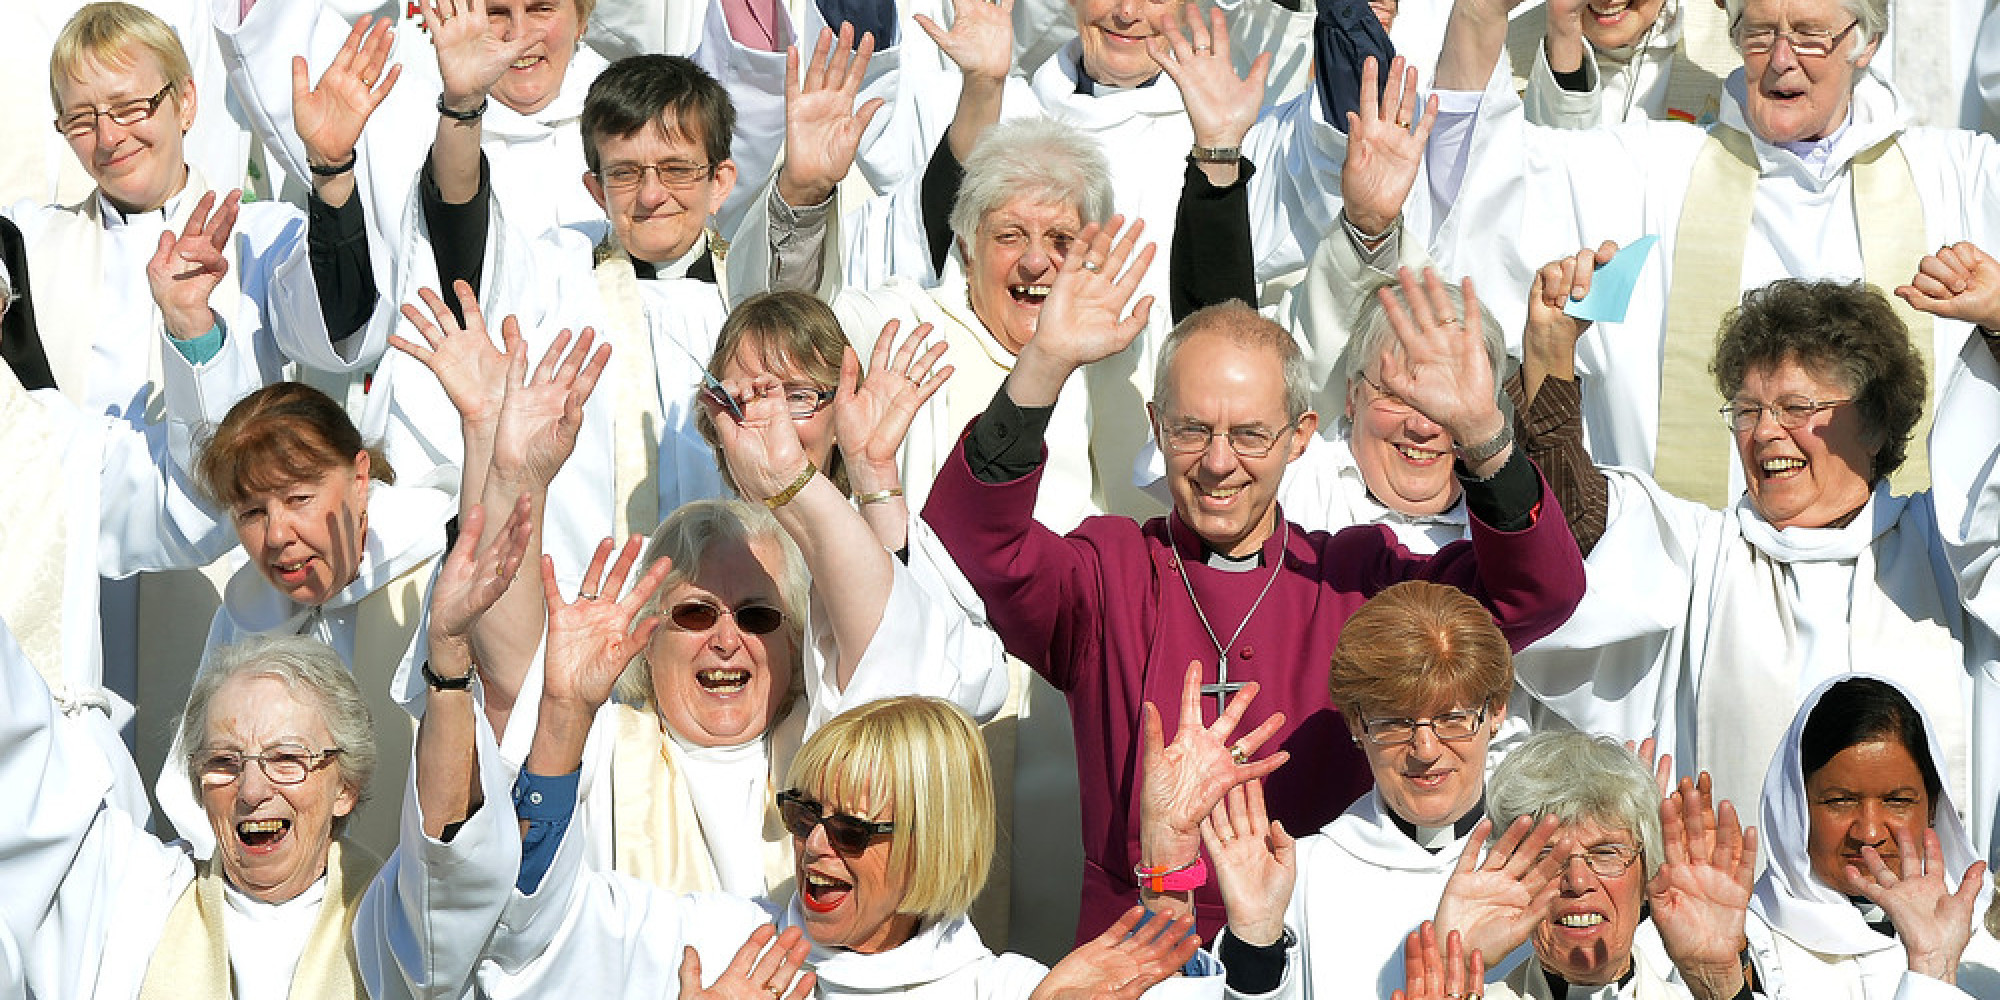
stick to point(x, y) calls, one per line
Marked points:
point(700, 616)
point(848, 834)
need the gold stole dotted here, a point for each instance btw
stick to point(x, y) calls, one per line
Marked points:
point(656, 835)
point(34, 529)
point(1694, 447)
point(384, 624)
point(192, 959)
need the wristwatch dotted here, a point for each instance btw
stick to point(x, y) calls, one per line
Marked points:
point(439, 682)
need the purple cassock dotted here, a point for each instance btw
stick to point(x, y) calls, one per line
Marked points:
point(1103, 614)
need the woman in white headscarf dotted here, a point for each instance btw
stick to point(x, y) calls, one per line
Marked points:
point(1873, 888)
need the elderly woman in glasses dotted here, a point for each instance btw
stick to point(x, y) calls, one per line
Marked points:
point(1817, 570)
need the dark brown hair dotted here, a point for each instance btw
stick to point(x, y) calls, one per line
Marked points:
point(284, 433)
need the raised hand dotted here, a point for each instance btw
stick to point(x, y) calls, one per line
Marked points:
point(592, 638)
point(1433, 974)
point(1195, 52)
point(1548, 344)
point(1121, 963)
point(1385, 146)
point(185, 269)
point(1933, 923)
point(329, 117)
point(1443, 371)
point(761, 970)
point(1960, 281)
point(762, 448)
point(1256, 863)
point(1084, 319)
point(1702, 891)
point(822, 126)
point(1184, 781)
point(472, 372)
point(1647, 750)
point(471, 58)
point(475, 575)
point(541, 415)
point(872, 415)
point(981, 39)
point(1496, 901)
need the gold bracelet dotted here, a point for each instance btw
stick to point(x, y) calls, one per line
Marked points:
point(784, 496)
point(880, 496)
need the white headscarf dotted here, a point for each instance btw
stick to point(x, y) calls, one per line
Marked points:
point(1789, 897)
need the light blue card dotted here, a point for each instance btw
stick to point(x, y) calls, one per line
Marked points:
point(1611, 287)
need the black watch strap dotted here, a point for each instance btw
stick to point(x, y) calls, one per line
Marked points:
point(438, 682)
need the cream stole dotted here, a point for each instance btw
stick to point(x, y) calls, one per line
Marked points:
point(1751, 674)
point(34, 529)
point(192, 959)
point(1694, 448)
point(656, 834)
point(69, 265)
point(385, 624)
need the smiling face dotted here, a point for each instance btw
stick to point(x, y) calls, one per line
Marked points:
point(1810, 475)
point(1428, 781)
point(1587, 936)
point(1016, 252)
point(1615, 24)
point(657, 221)
point(816, 437)
point(306, 538)
point(1403, 456)
point(1864, 796)
point(850, 901)
point(272, 838)
point(535, 79)
point(724, 686)
point(1791, 98)
point(139, 166)
point(1214, 382)
point(1114, 34)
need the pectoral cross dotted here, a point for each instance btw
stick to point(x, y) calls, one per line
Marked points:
point(1223, 686)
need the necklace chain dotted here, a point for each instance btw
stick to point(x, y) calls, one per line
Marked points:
point(1221, 687)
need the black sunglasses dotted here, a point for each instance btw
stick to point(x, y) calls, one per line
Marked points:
point(848, 834)
point(700, 616)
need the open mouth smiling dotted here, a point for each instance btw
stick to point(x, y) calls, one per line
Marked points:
point(723, 680)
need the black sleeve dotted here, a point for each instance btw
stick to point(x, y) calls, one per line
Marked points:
point(1507, 501)
point(337, 246)
point(1006, 441)
point(20, 341)
point(1211, 259)
point(1346, 32)
point(1576, 81)
point(458, 232)
point(942, 179)
point(1251, 969)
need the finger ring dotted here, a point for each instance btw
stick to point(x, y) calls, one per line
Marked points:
point(586, 597)
point(1402, 123)
point(1202, 50)
point(1091, 266)
point(1238, 754)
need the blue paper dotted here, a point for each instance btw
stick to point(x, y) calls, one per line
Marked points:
point(1611, 286)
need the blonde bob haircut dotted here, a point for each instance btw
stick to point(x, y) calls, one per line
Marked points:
point(116, 34)
point(1416, 646)
point(921, 762)
point(686, 537)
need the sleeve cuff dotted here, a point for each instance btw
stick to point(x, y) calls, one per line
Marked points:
point(546, 804)
point(201, 350)
point(1507, 501)
point(1005, 443)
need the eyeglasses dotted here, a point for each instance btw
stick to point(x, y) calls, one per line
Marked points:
point(700, 616)
point(672, 173)
point(1805, 44)
point(1604, 860)
point(1384, 395)
point(128, 114)
point(848, 834)
point(1189, 437)
point(1791, 412)
point(1451, 727)
point(284, 764)
point(802, 400)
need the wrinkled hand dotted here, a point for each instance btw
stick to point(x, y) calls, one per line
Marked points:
point(1183, 782)
point(981, 40)
point(476, 573)
point(472, 373)
point(1960, 281)
point(185, 269)
point(329, 117)
point(1120, 963)
point(1443, 372)
point(1433, 974)
point(1385, 146)
point(762, 448)
point(1256, 863)
point(1195, 53)
point(1702, 891)
point(823, 128)
point(1495, 902)
point(591, 639)
point(1933, 923)
point(1083, 318)
point(757, 972)
point(872, 415)
point(1551, 334)
point(471, 58)
point(541, 415)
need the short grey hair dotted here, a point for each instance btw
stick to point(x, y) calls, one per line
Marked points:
point(1373, 336)
point(1873, 15)
point(686, 537)
point(314, 674)
point(1575, 777)
point(1245, 327)
point(1036, 158)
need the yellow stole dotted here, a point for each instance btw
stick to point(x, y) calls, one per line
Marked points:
point(384, 624)
point(192, 959)
point(1694, 446)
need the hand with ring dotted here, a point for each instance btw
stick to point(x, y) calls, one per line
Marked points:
point(1220, 105)
point(872, 414)
point(1431, 973)
point(1183, 782)
point(1383, 153)
point(1255, 863)
point(769, 964)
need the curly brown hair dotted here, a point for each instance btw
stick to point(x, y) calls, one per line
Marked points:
point(1840, 331)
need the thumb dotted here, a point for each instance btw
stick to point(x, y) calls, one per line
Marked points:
point(690, 971)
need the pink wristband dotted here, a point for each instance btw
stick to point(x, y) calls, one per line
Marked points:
point(1185, 878)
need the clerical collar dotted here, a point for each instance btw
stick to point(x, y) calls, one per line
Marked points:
point(1437, 838)
point(1232, 564)
point(1089, 87)
point(115, 216)
point(1562, 988)
point(698, 263)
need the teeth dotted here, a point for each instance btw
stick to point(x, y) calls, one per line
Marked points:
point(1783, 464)
point(1031, 291)
point(1418, 454)
point(526, 61)
point(1222, 494)
point(818, 881)
point(723, 681)
point(1580, 919)
point(261, 826)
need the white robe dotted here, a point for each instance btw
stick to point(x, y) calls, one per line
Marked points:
point(1527, 981)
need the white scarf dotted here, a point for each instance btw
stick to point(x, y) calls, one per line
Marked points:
point(729, 787)
point(939, 949)
point(1789, 897)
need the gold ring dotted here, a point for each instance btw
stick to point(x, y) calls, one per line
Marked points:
point(1238, 754)
point(586, 597)
point(1202, 50)
point(1091, 266)
point(1402, 123)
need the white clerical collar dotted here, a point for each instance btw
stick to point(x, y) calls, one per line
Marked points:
point(115, 217)
point(679, 266)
